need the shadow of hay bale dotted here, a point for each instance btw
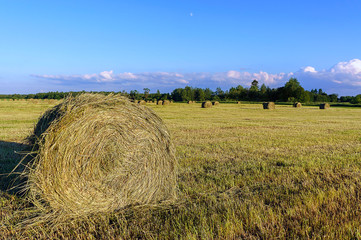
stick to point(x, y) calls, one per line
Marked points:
point(98, 154)
point(11, 165)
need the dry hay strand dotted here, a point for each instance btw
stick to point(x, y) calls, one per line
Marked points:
point(166, 102)
point(215, 103)
point(268, 105)
point(297, 105)
point(142, 102)
point(206, 104)
point(100, 153)
point(324, 106)
point(160, 102)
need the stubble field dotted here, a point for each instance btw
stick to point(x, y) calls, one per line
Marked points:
point(244, 173)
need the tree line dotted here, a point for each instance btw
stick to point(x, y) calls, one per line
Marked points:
point(292, 91)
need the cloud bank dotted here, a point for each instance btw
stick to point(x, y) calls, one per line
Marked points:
point(343, 78)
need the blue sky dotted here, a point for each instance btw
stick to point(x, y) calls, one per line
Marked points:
point(123, 45)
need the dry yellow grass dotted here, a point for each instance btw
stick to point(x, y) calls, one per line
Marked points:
point(245, 173)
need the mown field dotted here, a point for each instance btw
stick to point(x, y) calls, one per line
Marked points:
point(244, 173)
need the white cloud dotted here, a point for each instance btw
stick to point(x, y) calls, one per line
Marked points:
point(309, 69)
point(343, 77)
point(105, 76)
point(352, 67)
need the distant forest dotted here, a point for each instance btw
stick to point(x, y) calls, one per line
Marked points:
point(292, 91)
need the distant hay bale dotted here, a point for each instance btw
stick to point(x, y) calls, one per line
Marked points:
point(171, 101)
point(324, 106)
point(268, 105)
point(190, 102)
point(142, 102)
point(194, 101)
point(160, 102)
point(206, 104)
point(166, 102)
point(100, 153)
point(238, 102)
point(297, 105)
point(215, 103)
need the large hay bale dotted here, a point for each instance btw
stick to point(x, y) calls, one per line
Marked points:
point(297, 105)
point(238, 102)
point(142, 102)
point(100, 153)
point(324, 106)
point(166, 102)
point(215, 103)
point(190, 102)
point(206, 104)
point(160, 102)
point(268, 105)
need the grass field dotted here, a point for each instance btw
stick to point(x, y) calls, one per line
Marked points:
point(244, 173)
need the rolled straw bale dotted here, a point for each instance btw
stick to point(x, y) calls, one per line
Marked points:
point(297, 105)
point(100, 153)
point(206, 104)
point(160, 102)
point(324, 106)
point(215, 103)
point(190, 102)
point(268, 105)
point(166, 102)
point(142, 102)
point(238, 102)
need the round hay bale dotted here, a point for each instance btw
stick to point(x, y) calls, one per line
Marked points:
point(215, 103)
point(142, 102)
point(190, 102)
point(324, 106)
point(100, 153)
point(238, 102)
point(206, 104)
point(166, 102)
point(160, 102)
point(297, 105)
point(268, 105)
